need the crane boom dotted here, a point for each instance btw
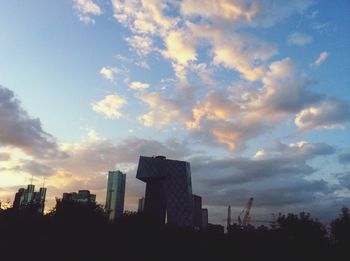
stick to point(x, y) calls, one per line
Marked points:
point(246, 211)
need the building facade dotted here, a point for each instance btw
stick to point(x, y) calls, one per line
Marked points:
point(115, 194)
point(204, 218)
point(197, 212)
point(28, 197)
point(83, 196)
point(168, 190)
point(141, 204)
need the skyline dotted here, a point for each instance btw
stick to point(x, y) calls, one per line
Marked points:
point(254, 95)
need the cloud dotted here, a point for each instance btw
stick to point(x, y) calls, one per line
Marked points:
point(321, 59)
point(299, 39)
point(284, 92)
point(143, 17)
point(141, 44)
point(286, 160)
point(19, 130)
point(279, 181)
point(243, 53)
point(233, 116)
point(138, 85)
point(109, 72)
point(110, 106)
point(179, 47)
point(4, 156)
point(36, 168)
point(162, 110)
point(253, 13)
point(85, 8)
point(225, 9)
point(344, 158)
point(329, 114)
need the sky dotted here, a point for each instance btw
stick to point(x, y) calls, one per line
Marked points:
point(253, 93)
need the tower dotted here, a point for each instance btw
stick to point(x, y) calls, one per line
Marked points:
point(115, 194)
point(168, 190)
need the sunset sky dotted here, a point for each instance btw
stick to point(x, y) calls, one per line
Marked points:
point(253, 93)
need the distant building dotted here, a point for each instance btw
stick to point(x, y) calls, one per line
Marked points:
point(215, 229)
point(83, 196)
point(197, 212)
point(204, 218)
point(168, 190)
point(141, 204)
point(28, 197)
point(115, 194)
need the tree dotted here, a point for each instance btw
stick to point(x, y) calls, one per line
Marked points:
point(340, 228)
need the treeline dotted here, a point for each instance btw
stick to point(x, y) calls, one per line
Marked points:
point(73, 231)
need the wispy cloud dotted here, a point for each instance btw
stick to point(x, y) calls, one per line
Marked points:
point(110, 106)
point(85, 9)
point(299, 39)
point(138, 85)
point(109, 72)
point(320, 59)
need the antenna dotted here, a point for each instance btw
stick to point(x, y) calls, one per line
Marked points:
point(31, 181)
point(44, 182)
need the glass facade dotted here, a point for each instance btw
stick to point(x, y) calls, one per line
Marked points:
point(115, 194)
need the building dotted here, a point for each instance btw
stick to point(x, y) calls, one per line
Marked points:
point(83, 196)
point(141, 204)
point(115, 194)
point(197, 212)
point(204, 218)
point(28, 197)
point(168, 190)
point(215, 228)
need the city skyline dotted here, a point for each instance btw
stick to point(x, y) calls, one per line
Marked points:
point(254, 94)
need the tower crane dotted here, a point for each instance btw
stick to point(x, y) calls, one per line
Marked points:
point(244, 217)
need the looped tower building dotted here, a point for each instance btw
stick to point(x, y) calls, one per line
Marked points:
point(168, 190)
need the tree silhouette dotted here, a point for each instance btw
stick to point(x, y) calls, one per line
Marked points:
point(340, 233)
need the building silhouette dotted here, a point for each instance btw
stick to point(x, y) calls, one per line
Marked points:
point(115, 194)
point(83, 196)
point(28, 197)
point(168, 190)
point(141, 204)
point(204, 218)
point(197, 212)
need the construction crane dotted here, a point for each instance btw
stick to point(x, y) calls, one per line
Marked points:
point(228, 217)
point(244, 217)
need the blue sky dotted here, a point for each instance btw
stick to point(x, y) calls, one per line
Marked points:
point(255, 94)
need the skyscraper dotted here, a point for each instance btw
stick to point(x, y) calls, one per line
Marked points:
point(26, 197)
point(115, 194)
point(168, 190)
point(204, 218)
point(197, 212)
point(141, 204)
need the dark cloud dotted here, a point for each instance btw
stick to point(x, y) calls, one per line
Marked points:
point(344, 158)
point(282, 159)
point(279, 180)
point(18, 130)
point(330, 113)
point(37, 169)
point(344, 179)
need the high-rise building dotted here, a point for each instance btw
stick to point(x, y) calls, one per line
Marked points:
point(197, 212)
point(83, 196)
point(115, 194)
point(204, 218)
point(141, 204)
point(26, 197)
point(168, 190)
